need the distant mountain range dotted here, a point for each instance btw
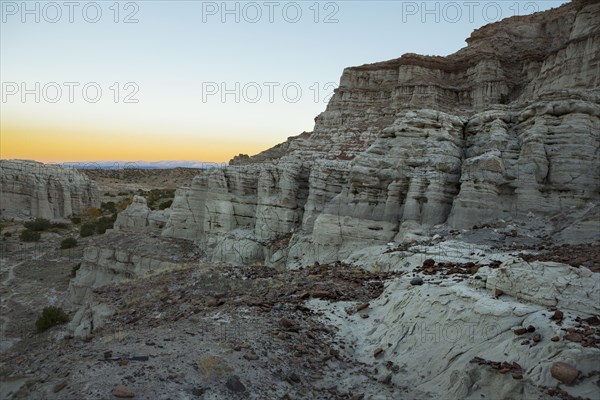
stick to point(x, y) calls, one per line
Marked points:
point(167, 164)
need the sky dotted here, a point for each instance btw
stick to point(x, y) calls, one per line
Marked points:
point(199, 80)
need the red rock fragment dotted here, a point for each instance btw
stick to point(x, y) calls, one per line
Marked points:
point(564, 372)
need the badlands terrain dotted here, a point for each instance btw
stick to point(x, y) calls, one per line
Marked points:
point(436, 236)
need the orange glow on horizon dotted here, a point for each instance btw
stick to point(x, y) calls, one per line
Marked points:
point(52, 144)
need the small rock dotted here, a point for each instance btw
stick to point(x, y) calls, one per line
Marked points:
point(416, 281)
point(287, 324)
point(198, 391)
point(498, 293)
point(122, 362)
point(361, 307)
point(234, 384)
point(387, 380)
point(251, 357)
point(429, 262)
point(108, 354)
point(531, 328)
point(293, 378)
point(213, 302)
point(537, 338)
point(558, 316)
point(322, 294)
point(555, 338)
point(517, 375)
point(123, 392)
point(593, 320)
point(59, 386)
point(520, 331)
point(574, 337)
point(378, 351)
point(564, 372)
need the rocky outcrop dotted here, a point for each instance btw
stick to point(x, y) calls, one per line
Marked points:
point(119, 256)
point(138, 216)
point(455, 330)
point(572, 288)
point(541, 159)
point(507, 127)
point(34, 190)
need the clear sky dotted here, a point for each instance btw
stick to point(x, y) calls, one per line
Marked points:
point(199, 80)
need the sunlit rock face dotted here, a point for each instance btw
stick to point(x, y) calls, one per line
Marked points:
point(35, 190)
point(509, 126)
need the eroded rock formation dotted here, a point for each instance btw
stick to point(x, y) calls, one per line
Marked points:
point(138, 216)
point(34, 190)
point(419, 141)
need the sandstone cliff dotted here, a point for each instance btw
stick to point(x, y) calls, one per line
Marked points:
point(412, 143)
point(34, 190)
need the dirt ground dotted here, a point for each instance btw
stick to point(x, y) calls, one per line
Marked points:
point(201, 332)
point(130, 180)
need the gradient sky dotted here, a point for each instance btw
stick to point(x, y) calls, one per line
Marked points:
point(179, 50)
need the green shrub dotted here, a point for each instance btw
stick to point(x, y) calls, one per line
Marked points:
point(74, 270)
point(109, 206)
point(123, 204)
point(68, 243)
point(165, 204)
point(76, 220)
point(104, 223)
point(30, 236)
point(58, 225)
point(51, 316)
point(154, 195)
point(93, 212)
point(87, 229)
point(38, 224)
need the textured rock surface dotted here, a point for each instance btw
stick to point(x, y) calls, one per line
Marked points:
point(119, 256)
point(138, 216)
point(445, 325)
point(541, 159)
point(408, 144)
point(34, 190)
point(572, 288)
point(407, 154)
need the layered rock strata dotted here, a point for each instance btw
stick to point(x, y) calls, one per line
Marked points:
point(507, 127)
point(34, 190)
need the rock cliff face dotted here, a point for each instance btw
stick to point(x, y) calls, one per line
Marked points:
point(35, 190)
point(507, 127)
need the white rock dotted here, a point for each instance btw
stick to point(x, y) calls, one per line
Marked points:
point(34, 190)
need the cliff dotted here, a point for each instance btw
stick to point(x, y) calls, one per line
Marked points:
point(35, 190)
point(415, 143)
